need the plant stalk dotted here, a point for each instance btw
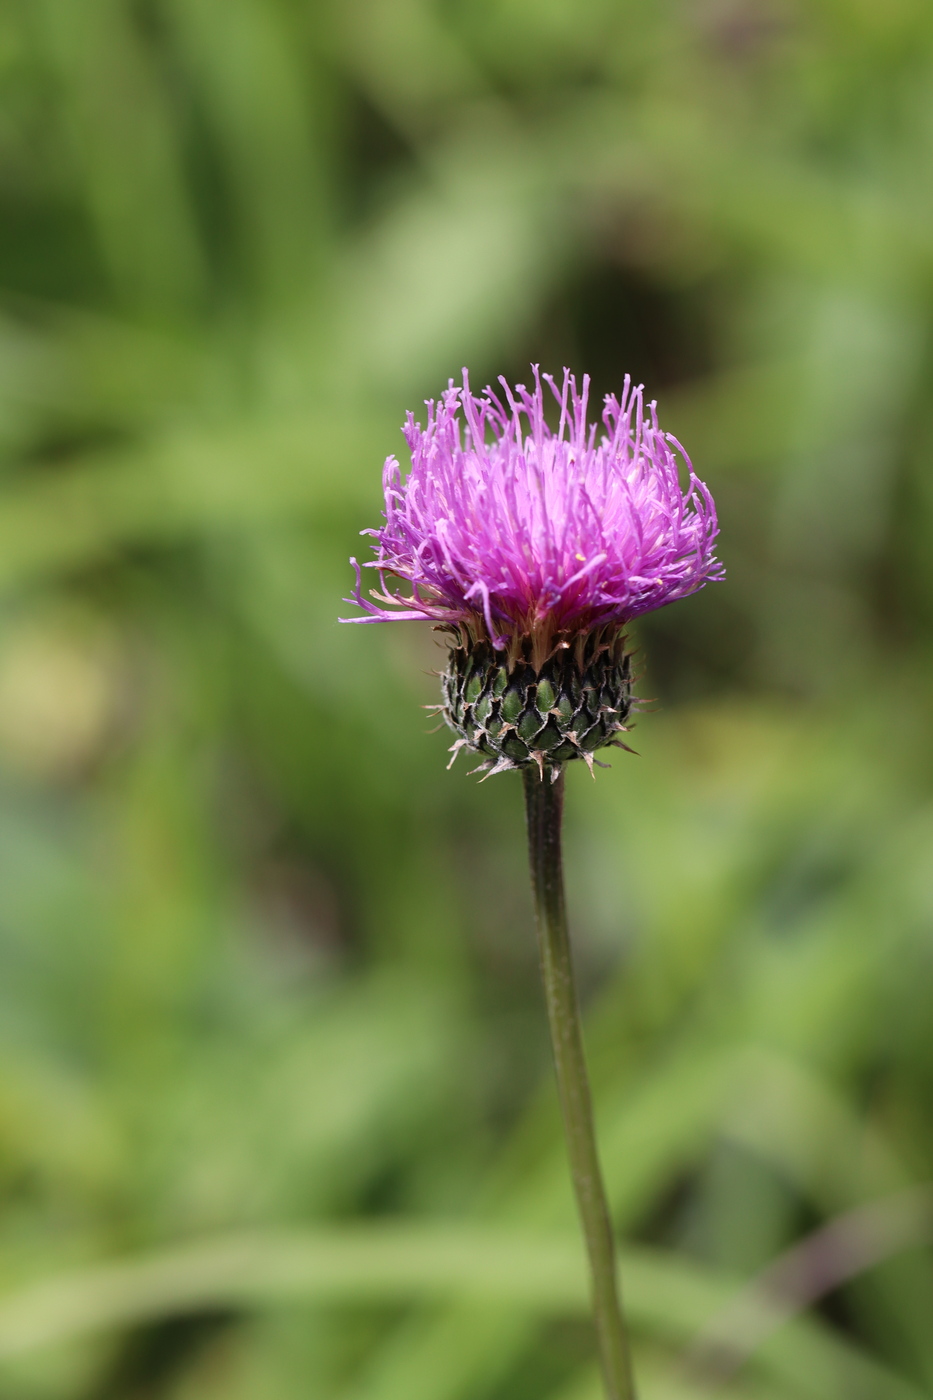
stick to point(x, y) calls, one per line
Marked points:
point(544, 802)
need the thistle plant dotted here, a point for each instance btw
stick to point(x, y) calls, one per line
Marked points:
point(531, 548)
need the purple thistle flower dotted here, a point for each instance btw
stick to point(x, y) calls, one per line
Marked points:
point(517, 531)
point(532, 548)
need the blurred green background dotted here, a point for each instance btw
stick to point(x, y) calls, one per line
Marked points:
point(276, 1114)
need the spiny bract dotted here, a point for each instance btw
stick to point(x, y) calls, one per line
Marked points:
point(514, 717)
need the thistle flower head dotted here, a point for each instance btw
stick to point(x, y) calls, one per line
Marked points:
point(529, 536)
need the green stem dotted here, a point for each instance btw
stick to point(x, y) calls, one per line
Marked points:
point(544, 802)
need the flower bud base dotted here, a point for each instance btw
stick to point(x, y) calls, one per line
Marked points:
point(515, 716)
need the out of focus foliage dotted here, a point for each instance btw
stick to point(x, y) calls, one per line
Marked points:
point(271, 1046)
